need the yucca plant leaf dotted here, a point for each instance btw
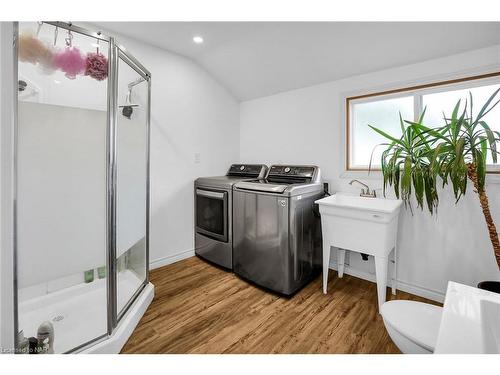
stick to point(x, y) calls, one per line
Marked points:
point(384, 134)
point(433, 132)
point(491, 140)
point(461, 122)
point(430, 192)
point(424, 138)
point(371, 155)
point(397, 177)
point(453, 120)
point(406, 180)
point(459, 147)
point(484, 110)
point(491, 108)
point(409, 136)
point(401, 123)
point(434, 158)
point(422, 115)
point(418, 184)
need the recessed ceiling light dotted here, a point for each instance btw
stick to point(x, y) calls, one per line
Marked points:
point(197, 39)
point(57, 82)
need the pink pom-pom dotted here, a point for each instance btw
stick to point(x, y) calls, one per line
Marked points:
point(71, 61)
point(96, 66)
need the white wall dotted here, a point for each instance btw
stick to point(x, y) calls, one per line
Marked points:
point(306, 126)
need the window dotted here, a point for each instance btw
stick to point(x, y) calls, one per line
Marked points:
point(382, 114)
point(382, 111)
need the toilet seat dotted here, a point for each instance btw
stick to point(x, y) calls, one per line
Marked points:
point(416, 321)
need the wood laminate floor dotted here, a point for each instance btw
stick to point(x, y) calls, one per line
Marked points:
point(199, 308)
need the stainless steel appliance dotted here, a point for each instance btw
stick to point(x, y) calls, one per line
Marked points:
point(276, 231)
point(213, 198)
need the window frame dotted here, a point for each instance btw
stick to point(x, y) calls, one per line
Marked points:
point(417, 91)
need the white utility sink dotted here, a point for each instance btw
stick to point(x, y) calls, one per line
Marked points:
point(361, 224)
point(362, 204)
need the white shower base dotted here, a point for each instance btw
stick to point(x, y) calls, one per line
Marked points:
point(79, 313)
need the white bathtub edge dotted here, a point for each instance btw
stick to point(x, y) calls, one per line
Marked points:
point(122, 333)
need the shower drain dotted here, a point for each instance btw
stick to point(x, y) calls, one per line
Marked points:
point(57, 318)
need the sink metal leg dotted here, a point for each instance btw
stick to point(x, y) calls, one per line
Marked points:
point(340, 262)
point(381, 273)
point(326, 262)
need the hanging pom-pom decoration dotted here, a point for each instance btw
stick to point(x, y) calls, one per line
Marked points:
point(71, 60)
point(46, 59)
point(35, 51)
point(31, 49)
point(96, 65)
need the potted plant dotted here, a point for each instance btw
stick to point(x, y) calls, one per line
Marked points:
point(452, 154)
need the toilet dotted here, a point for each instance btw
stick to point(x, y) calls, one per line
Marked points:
point(413, 326)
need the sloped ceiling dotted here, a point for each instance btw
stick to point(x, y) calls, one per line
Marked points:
point(256, 59)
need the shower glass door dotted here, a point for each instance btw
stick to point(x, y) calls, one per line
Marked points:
point(131, 181)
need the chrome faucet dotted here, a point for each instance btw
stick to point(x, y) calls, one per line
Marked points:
point(364, 192)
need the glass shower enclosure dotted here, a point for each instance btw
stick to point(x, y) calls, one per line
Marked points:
point(82, 186)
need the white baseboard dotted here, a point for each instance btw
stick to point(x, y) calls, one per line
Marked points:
point(157, 263)
point(401, 285)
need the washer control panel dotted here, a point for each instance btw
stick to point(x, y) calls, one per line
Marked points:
point(290, 170)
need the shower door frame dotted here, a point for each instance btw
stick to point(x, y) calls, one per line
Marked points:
point(115, 52)
point(121, 53)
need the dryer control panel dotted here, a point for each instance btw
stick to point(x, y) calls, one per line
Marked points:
point(247, 170)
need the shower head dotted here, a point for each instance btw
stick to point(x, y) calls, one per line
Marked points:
point(127, 111)
point(22, 85)
point(28, 90)
point(127, 108)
